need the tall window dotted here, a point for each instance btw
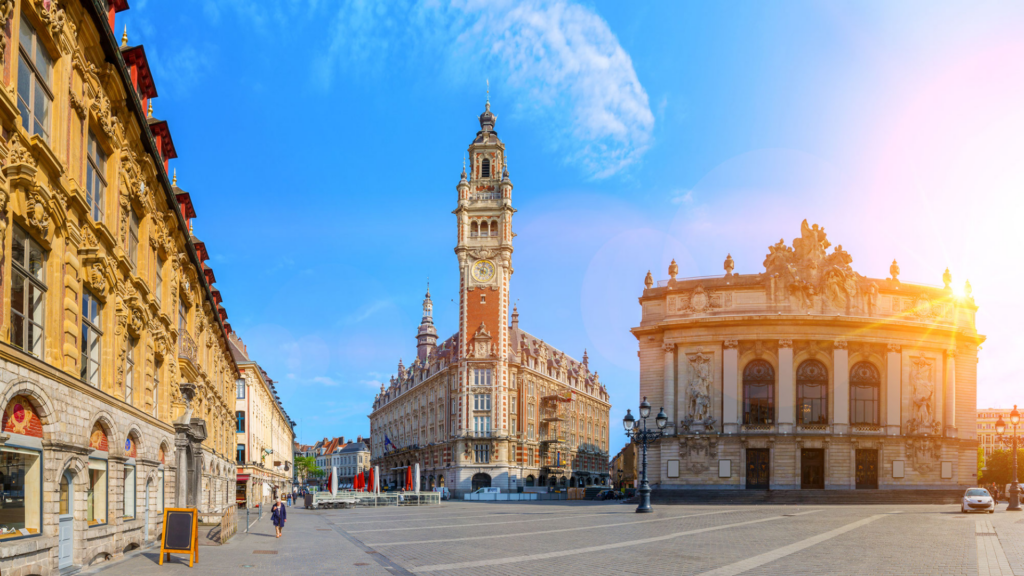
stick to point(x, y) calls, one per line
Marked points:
point(864, 391)
point(129, 373)
point(485, 168)
point(758, 393)
point(95, 178)
point(96, 497)
point(482, 453)
point(91, 335)
point(481, 424)
point(240, 454)
point(158, 290)
point(812, 393)
point(35, 71)
point(239, 421)
point(28, 293)
point(129, 491)
point(133, 237)
point(156, 387)
point(240, 388)
point(482, 377)
point(22, 479)
point(481, 402)
point(182, 322)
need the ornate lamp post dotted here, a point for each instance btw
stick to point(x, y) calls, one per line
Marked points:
point(641, 435)
point(1000, 428)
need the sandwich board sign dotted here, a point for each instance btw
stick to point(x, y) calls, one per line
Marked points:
point(181, 534)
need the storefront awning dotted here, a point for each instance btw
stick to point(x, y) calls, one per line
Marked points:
point(243, 477)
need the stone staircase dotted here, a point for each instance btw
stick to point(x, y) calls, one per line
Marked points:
point(894, 497)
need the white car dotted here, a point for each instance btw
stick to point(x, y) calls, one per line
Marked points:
point(977, 500)
point(491, 490)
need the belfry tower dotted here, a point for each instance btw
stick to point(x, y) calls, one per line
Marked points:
point(484, 250)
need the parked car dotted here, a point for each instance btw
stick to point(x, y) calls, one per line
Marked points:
point(977, 500)
point(490, 490)
point(445, 494)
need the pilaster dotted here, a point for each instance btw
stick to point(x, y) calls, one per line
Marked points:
point(893, 391)
point(731, 392)
point(787, 388)
point(949, 397)
point(841, 388)
point(670, 387)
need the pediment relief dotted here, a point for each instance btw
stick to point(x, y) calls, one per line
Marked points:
point(482, 345)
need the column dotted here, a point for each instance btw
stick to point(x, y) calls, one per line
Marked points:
point(669, 396)
point(893, 391)
point(730, 387)
point(949, 398)
point(786, 401)
point(841, 388)
point(181, 445)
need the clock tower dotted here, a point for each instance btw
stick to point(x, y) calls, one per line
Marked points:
point(484, 251)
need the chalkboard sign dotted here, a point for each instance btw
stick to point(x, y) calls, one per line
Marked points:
point(181, 534)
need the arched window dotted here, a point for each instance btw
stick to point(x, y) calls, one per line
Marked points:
point(758, 394)
point(494, 228)
point(485, 168)
point(812, 393)
point(864, 393)
point(473, 230)
point(530, 481)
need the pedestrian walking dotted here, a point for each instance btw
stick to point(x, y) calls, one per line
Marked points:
point(279, 516)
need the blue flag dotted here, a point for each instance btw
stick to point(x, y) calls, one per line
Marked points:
point(387, 442)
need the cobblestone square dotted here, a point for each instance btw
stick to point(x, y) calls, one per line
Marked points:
point(587, 539)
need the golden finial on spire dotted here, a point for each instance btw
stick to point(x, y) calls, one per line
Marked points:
point(174, 182)
point(124, 37)
point(150, 108)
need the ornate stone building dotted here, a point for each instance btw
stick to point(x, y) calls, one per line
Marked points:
point(809, 375)
point(491, 405)
point(107, 305)
point(987, 437)
point(265, 435)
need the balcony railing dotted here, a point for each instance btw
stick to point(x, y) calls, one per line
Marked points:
point(552, 439)
point(481, 433)
point(187, 347)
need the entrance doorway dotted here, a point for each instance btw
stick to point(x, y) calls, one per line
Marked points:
point(867, 469)
point(757, 468)
point(481, 480)
point(812, 469)
point(66, 523)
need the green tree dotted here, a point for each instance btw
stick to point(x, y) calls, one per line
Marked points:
point(306, 466)
point(981, 462)
point(999, 467)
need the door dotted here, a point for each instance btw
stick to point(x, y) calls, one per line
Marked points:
point(481, 480)
point(145, 516)
point(66, 524)
point(867, 469)
point(757, 468)
point(812, 469)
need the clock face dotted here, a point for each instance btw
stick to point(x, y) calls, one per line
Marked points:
point(483, 271)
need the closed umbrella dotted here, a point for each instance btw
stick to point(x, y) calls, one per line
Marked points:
point(408, 478)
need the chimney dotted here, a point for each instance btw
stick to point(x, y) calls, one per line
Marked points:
point(342, 439)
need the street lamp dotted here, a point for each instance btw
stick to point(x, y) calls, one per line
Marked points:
point(1000, 428)
point(641, 435)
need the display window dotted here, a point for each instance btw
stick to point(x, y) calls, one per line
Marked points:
point(20, 481)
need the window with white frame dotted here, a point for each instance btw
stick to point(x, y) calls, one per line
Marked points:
point(28, 293)
point(91, 339)
point(35, 72)
point(481, 424)
point(481, 402)
point(482, 377)
point(482, 453)
point(95, 178)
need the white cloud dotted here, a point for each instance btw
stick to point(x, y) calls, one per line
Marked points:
point(367, 310)
point(325, 380)
point(559, 61)
point(681, 196)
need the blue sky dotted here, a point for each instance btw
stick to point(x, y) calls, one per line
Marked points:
point(322, 141)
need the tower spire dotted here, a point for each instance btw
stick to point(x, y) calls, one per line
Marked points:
point(426, 335)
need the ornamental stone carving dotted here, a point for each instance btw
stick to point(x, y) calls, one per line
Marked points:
point(37, 214)
point(806, 275)
point(482, 345)
point(18, 154)
point(839, 344)
point(698, 452)
point(894, 348)
point(922, 396)
point(785, 343)
point(648, 280)
point(6, 6)
point(668, 347)
point(700, 386)
point(730, 344)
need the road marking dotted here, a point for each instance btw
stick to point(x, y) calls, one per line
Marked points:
point(991, 558)
point(379, 544)
point(425, 518)
point(762, 559)
point(559, 554)
point(567, 517)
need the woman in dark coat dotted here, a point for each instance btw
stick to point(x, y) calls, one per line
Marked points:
point(279, 516)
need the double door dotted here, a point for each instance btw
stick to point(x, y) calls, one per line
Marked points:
point(758, 468)
point(812, 469)
point(867, 469)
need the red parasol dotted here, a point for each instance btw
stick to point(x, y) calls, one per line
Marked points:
point(355, 482)
point(371, 479)
point(408, 478)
